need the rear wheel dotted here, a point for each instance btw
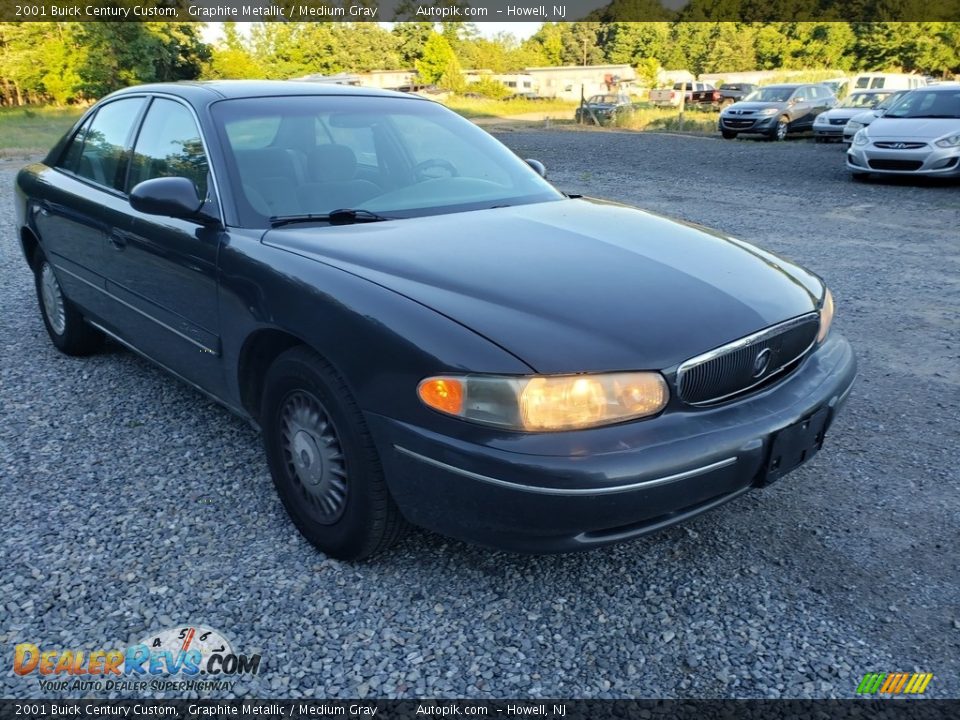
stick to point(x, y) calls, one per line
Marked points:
point(323, 460)
point(728, 135)
point(66, 327)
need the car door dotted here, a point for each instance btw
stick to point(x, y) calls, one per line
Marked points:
point(84, 199)
point(801, 109)
point(823, 100)
point(161, 270)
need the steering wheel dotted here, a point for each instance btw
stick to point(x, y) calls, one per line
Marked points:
point(419, 170)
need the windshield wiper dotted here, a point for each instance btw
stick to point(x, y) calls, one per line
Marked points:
point(343, 216)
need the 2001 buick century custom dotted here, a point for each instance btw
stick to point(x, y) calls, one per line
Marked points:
point(424, 329)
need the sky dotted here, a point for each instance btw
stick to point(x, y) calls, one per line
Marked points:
point(521, 30)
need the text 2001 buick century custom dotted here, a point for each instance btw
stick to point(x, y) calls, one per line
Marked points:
point(424, 329)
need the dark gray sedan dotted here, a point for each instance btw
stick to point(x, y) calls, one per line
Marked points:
point(776, 110)
point(423, 328)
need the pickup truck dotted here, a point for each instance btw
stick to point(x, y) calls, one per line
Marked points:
point(697, 94)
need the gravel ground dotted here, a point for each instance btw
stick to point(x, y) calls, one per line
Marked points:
point(134, 504)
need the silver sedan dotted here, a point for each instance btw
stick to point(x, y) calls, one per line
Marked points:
point(920, 135)
point(862, 119)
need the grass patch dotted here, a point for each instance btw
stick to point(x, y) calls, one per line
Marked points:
point(472, 108)
point(35, 128)
point(698, 122)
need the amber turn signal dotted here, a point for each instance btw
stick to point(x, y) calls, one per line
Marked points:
point(442, 393)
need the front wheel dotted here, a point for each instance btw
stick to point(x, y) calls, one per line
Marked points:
point(781, 129)
point(323, 460)
point(66, 327)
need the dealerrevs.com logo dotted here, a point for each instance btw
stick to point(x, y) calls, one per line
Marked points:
point(183, 658)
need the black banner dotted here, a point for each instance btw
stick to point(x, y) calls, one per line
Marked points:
point(914, 709)
point(480, 10)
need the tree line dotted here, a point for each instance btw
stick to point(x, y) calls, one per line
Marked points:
point(77, 62)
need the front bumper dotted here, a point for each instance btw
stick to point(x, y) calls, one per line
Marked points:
point(929, 160)
point(574, 491)
point(828, 131)
point(764, 124)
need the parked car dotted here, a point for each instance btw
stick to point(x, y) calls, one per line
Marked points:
point(693, 93)
point(919, 135)
point(734, 92)
point(410, 315)
point(888, 81)
point(861, 120)
point(602, 109)
point(840, 87)
point(776, 110)
point(829, 125)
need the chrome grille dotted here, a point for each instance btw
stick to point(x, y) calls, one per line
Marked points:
point(900, 145)
point(746, 363)
point(838, 121)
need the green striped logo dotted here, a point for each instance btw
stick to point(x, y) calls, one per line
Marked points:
point(894, 683)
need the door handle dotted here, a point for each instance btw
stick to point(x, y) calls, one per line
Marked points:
point(43, 208)
point(117, 240)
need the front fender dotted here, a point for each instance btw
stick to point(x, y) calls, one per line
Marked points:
point(380, 342)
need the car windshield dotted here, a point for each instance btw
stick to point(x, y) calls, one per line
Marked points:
point(865, 100)
point(398, 157)
point(891, 101)
point(770, 94)
point(604, 100)
point(927, 104)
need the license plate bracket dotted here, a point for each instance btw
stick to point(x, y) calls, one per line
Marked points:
point(795, 445)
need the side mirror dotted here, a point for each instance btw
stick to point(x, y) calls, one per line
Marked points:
point(173, 196)
point(538, 167)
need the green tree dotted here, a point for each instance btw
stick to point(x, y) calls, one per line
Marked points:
point(411, 37)
point(439, 65)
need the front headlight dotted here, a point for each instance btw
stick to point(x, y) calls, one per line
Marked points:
point(853, 125)
point(948, 142)
point(545, 403)
point(821, 120)
point(826, 316)
point(861, 138)
point(768, 111)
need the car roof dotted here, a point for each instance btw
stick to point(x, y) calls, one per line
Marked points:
point(212, 90)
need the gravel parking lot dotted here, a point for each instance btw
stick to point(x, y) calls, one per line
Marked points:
point(132, 503)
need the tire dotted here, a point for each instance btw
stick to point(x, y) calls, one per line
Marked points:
point(65, 325)
point(780, 130)
point(728, 135)
point(323, 460)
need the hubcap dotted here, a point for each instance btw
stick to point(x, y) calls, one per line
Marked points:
point(781, 130)
point(53, 306)
point(313, 455)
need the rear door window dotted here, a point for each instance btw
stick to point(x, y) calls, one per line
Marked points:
point(71, 157)
point(106, 146)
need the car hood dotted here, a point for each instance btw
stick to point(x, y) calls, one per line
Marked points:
point(866, 117)
point(572, 285)
point(839, 113)
point(754, 106)
point(887, 128)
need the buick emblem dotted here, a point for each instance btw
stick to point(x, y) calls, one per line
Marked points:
point(761, 362)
